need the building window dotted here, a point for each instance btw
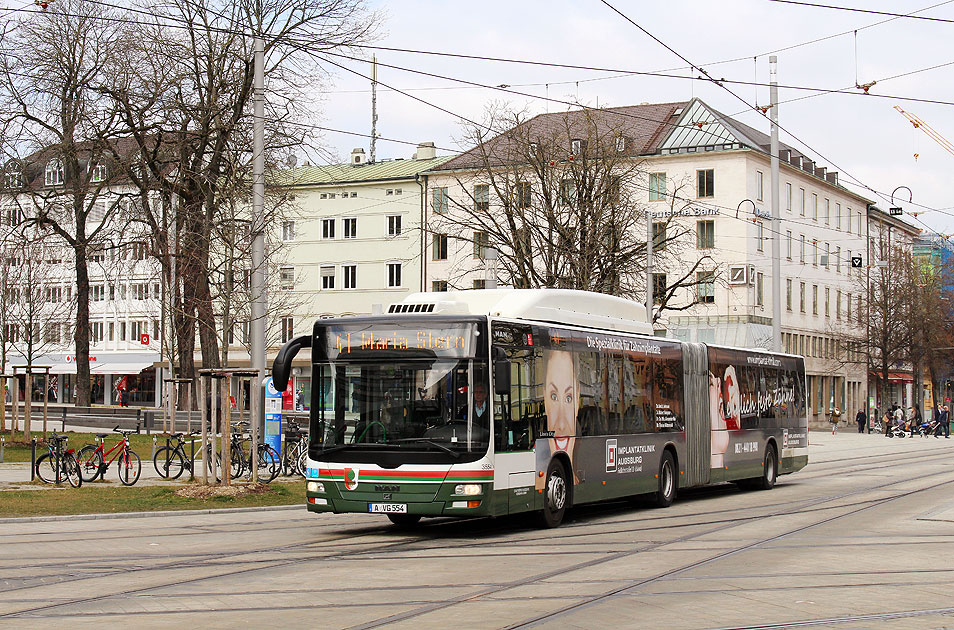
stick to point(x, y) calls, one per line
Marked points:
point(620, 144)
point(54, 174)
point(838, 304)
point(13, 175)
point(657, 186)
point(439, 200)
point(788, 294)
point(788, 244)
point(848, 221)
point(327, 273)
point(827, 212)
point(481, 242)
point(482, 197)
point(659, 235)
point(827, 297)
point(659, 288)
point(349, 276)
point(838, 259)
point(705, 183)
point(801, 201)
point(394, 274)
point(705, 287)
point(439, 286)
point(287, 278)
point(759, 236)
point(97, 293)
point(97, 173)
point(801, 248)
point(837, 216)
point(705, 234)
point(394, 225)
point(288, 231)
point(480, 283)
point(327, 228)
point(801, 297)
point(576, 147)
point(122, 331)
point(788, 196)
point(523, 194)
point(96, 332)
point(814, 206)
point(398, 191)
point(760, 289)
point(350, 226)
point(814, 299)
point(288, 329)
point(759, 185)
point(439, 246)
point(826, 257)
point(815, 252)
point(568, 192)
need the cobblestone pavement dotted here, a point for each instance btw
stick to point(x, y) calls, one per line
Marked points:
point(862, 538)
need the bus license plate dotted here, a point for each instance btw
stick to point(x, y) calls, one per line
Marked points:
point(387, 508)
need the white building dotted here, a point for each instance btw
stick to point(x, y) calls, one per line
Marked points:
point(124, 297)
point(718, 171)
point(355, 243)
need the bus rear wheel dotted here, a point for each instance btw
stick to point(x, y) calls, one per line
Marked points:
point(666, 492)
point(405, 521)
point(769, 472)
point(555, 495)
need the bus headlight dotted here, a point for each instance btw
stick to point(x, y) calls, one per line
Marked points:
point(315, 486)
point(468, 489)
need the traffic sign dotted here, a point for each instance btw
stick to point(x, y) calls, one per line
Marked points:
point(856, 261)
point(144, 339)
point(895, 212)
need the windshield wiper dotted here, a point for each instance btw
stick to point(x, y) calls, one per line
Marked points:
point(428, 441)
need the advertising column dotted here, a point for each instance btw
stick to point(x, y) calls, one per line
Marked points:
point(273, 416)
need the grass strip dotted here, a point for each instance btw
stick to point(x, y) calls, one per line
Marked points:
point(93, 500)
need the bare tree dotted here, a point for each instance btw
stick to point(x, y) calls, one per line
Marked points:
point(52, 75)
point(560, 199)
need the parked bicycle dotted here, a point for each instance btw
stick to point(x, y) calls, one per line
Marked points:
point(269, 461)
point(59, 464)
point(93, 458)
point(171, 460)
point(295, 457)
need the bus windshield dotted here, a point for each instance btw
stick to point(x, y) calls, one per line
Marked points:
point(381, 412)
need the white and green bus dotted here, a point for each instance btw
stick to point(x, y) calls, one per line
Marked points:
point(495, 402)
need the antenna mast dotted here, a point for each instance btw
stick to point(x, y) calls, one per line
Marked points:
point(374, 104)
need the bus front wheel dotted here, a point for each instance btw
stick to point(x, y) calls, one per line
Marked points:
point(666, 491)
point(555, 495)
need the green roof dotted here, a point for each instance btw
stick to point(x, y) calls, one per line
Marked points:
point(349, 173)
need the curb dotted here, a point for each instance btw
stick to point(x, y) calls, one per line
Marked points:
point(87, 517)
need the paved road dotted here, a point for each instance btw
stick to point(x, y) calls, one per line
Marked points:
point(862, 538)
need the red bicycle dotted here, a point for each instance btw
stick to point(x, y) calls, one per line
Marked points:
point(93, 459)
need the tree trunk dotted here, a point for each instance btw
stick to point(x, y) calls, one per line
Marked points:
point(81, 333)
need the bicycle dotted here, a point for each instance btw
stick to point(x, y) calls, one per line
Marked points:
point(170, 461)
point(294, 461)
point(93, 464)
point(57, 464)
point(269, 461)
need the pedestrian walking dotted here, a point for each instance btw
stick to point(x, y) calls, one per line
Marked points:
point(944, 423)
point(835, 413)
point(861, 419)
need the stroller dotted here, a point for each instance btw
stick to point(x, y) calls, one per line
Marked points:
point(894, 429)
point(928, 427)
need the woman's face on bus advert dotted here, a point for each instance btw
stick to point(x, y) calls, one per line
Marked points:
point(560, 401)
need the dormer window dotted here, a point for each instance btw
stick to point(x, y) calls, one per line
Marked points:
point(54, 172)
point(97, 172)
point(12, 175)
point(576, 147)
point(620, 144)
point(533, 150)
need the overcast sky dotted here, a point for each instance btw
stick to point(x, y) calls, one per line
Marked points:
point(863, 138)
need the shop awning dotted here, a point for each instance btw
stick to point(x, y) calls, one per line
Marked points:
point(902, 377)
point(104, 367)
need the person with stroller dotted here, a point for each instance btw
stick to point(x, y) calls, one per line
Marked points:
point(943, 422)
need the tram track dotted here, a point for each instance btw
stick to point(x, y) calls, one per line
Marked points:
point(389, 548)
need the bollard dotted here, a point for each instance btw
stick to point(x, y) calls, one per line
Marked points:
point(153, 448)
point(63, 421)
point(192, 455)
point(2, 440)
point(33, 461)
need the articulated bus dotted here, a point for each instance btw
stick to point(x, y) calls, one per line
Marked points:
point(495, 402)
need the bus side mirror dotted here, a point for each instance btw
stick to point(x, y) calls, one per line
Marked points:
point(501, 372)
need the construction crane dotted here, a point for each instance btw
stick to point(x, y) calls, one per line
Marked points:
point(926, 128)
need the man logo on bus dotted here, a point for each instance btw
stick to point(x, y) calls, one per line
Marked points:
point(351, 478)
point(611, 455)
